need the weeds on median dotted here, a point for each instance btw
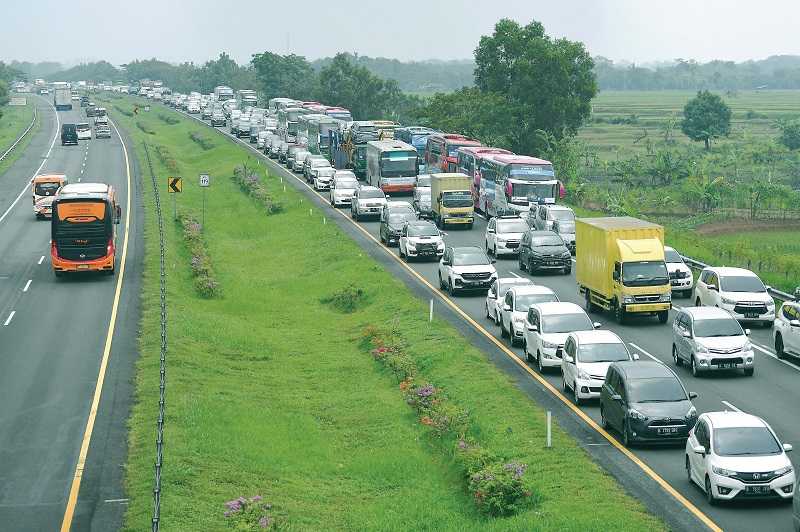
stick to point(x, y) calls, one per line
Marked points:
point(123, 111)
point(251, 185)
point(346, 300)
point(167, 159)
point(205, 283)
point(167, 119)
point(202, 140)
point(144, 127)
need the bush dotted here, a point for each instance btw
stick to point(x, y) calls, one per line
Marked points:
point(205, 283)
point(346, 300)
point(201, 140)
point(145, 128)
point(171, 120)
point(123, 111)
point(251, 185)
point(167, 159)
point(250, 514)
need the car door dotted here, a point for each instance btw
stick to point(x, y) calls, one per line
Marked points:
point(696, 463)
point(443, 264)
point(700, 290)
point(401, 244)
point(611, 408)
point(684, 344)
point(568, 365)
point(712, 290)
point(490, 234)
point(791, 336)
point(508, 309)
point(491, 299)
point(524, 247)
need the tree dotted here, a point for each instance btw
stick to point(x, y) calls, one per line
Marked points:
point(284, 75)
point(706, 117)
point(3, 96)
point(550, 82)
point(790, 134)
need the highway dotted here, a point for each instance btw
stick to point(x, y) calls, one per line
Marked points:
point(772, 393)
point(62, 435)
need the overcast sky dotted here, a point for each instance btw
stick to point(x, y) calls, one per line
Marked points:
point(635, 30)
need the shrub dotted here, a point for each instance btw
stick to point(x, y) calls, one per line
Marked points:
point(250, 513)
point(145, 128)
point(251, 185)
point(171, 120)
point(167, 159)
point(346, 300)
point(201, 140)
point(205, 283)
point(123, 111)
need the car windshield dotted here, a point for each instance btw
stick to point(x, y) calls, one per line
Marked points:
point(744, 441)
point(423, 230)
point(564, 323)
point(83, 127)
point(644, 273)
point(672, 256)
point(526, 300)
point(658, 390)
point(603, 353)
point(400, 218)
point(470, 258)
point(457, 199)
point(349, 184)
point(424, 181)
point(371, 194)
point(547, 240)
point(562, 215)
point(717, 327)
point(512, 226)
point(741, 283)
point(46, 189)
point(316, 163)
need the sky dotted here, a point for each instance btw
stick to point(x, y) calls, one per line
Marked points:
point(640, 31)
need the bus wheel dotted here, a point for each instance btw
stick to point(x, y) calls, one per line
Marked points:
point(110, 272)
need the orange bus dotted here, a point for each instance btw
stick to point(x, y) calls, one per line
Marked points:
point(43, 190)
point(441, 152)
point(83, 228)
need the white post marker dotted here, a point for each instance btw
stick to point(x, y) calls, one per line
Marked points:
point(430, 312)
point(205, 182)
point(549, 429)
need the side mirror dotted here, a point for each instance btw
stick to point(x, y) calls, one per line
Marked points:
point(507, 307)
point(597, 324)
point(533, 328)
point(692, 395)
point(494, 261)
point(793, 323)
point(787, 447)
point(616, 397)
point(747, 331)
point(615, 276)
point(712, 287)
point(636, 356)
point(699, 449)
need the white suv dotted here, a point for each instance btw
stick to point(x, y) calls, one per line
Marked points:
point(465, 268)
point(546, 329)
point(738, 291)
point(420, 239)
point(497, 293)
point(342, 189)
point(733, 453)
point(587, 355)
point(514, 310)
point(503, 235)
point(680, 276)
point(787, 330)
point(367, 201)
point(709, 338)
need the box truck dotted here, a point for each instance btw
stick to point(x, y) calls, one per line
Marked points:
point(451, 200)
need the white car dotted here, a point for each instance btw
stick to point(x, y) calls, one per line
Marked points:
point(738, 291)
point(584, 364)
point(84, 131)
point(787, 330)
point(680, 275)
point(299, 159)
point(323, 177)
point(546, 329)
point(420, 239)
point(710, 339)
point(367, 201)
point(342, 189)
point(738, 455)
point(497, 292)
point(514, 310)
point(465, 268)
point(503, 235)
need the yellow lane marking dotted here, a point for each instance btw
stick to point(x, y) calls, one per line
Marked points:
point(72, 500)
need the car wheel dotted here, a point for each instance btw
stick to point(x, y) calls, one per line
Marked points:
point(675, 356)
point(488, 315)
point(441, 283)
point(496, 318)
point(626, 437)
point(575, 397)
point(748, 372)
point(494, 251)
point(503, 332)
point(603, 420)
point(522, 265)
point(688, 470)
point(531, 269)
point(512, 335)
point(450, 289)
point(695, 369)
point(588, 305)
point(712, 501)
point(779, 346)
point(663, 316)
point(619, 314)
point(567, 271)
point(486, 245)
point(539, 362)
point(697, 303)
point(528, 357)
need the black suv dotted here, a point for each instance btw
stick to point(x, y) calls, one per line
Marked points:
point(392, 225)
point(544, 250)
point(646, 402)
point(69, 134)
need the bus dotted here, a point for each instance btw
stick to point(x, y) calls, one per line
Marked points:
point(276, 104)
point(339, 113)
point(319, 134)
point(392, 166)
point(511, 183)
point(441, 151)
point(302, 127)
point(385, 128)
point(468, 162)
point(44, 188)
point(83, 228)
point(417, 136)
point(287, 122)
point(223, 93)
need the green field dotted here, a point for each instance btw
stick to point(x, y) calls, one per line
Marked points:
point(653, 109)
point(14, 121)
point(270, 392)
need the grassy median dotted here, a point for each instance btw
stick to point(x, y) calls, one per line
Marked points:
point(14, 121)
point(271, 393)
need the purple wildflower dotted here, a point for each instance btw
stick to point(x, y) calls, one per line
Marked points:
point(426, 391)
point(255, 498)
point(227, 514)
point(234, 505)
point(516, 469)
point(463, 445)
point(265, 522)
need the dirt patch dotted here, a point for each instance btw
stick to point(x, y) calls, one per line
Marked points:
point(742, 226)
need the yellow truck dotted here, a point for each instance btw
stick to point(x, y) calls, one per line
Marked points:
point(451, 200)
point(620, 267)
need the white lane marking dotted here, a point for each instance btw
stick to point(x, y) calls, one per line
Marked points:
point(27, 285)
point(116, 500)
point(10, 317)
point(726, 403)
point(26, 188)
point(41, 260)
point(763, 349)
point(515, 275)
point(773, 355)
point(479, 215)
point(643, 351)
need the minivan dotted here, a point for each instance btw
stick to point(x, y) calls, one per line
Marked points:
point(69, 134)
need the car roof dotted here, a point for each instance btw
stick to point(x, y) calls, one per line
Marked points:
point(644, 369)
point(369, 188)
point(466, 249)
point(530, 289)
point(85, 188)
point(707, 313)
point(513, 281)
point(559, 307)
point(421, 223)
point(535, 233)
point(730, 419)
point(729, 270)
point(597, 336)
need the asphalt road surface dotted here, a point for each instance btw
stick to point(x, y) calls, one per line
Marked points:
point(53, 334)
point(772, 393)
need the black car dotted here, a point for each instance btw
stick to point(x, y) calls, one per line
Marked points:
point(84, 101)
point(69, 134)
point(646, 402)
point(392, 226)
point(544, 250)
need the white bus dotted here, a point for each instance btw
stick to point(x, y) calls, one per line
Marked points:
point(392, 166)
point(511, 183)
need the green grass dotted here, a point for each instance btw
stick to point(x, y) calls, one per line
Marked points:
point(654, 108)
point(14, 121)
point(270, 393)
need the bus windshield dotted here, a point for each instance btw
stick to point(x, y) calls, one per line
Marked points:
point(47, 189)
point(399, 164)
point(534, 190)
point(527, 170)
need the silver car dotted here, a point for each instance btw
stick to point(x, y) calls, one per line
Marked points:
point(710, 339)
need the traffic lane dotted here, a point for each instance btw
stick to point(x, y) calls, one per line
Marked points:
point(56, 339)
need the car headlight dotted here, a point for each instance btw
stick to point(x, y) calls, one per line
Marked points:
point(411, 245)
point(666, 297)
point(771, 304)
point(701, 349)
point(583, 375)
point(723, 472)
point(783, 471)
point(628, 299)
point(566, 255)
point(440, 245)
point(635, 414)
point(499, 238)
point(549, 345)
point(692, 413)
point(747, 346)
point(726, 301)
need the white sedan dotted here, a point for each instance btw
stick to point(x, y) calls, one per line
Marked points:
point(546, 329)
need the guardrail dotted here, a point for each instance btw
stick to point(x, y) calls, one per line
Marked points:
point(19, 139)
point(776, 294)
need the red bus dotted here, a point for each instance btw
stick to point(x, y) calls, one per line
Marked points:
point(469, 160)
point(441, 152)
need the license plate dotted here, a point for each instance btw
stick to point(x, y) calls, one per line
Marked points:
point(750, 315)
point(667, 430)
point(83, 266)
point(758, 489)
point(675, 283)
point(726, 366)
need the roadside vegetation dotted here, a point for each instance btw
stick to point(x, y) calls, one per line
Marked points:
point(273, 393)
point(13, 121)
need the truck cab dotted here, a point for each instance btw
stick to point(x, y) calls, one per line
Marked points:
point(451, 200)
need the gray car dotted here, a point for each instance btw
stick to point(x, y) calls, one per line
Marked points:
point(710, 339)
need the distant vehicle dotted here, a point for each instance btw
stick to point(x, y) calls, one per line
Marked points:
point(343, 187)
point(101, 120)
point(218, 119)
point(557, 218)
point(420, 240)
point(391, 227)
point(392, 166)
point(514, 310)
point(646, 402)
point(735, 455)
point(83, 230)
point(100, 111)
point(544, 251)
point(207, 113)
point(497, 293)
point(511, 184)
point(299, 159)
point(84, 131)
point(585, 361)
point(223, 93)
point(312, 163)
point(469, 163)
point(738, 291)
point(422, 203)
point(44, 90)
point(62, 99)
point(709, 339)
point(102, 131)
point(787, 330)
point(394, 206)
point(503, 235)
point(441, 152)
point(547, 326)
point(84, 101)
point(680, 276)
point(367, 201)
point(43, 189)
point(465, 268)
point(323, 177)
point(416, 136)
point(69, 134)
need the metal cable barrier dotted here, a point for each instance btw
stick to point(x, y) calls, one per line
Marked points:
point(156, 521)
